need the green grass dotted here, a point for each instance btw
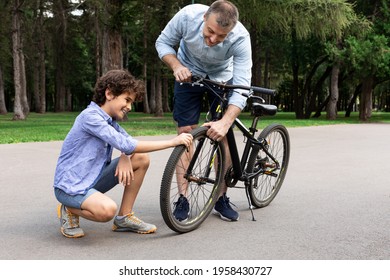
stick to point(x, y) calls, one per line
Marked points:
point(55, 126)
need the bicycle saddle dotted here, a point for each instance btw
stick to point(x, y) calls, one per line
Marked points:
point(263, 109)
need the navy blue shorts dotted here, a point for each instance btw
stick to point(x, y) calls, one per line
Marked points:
point(188, 101)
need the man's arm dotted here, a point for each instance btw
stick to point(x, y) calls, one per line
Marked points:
point(181, 73)
point(219, 128)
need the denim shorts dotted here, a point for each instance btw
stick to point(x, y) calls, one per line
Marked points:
point(106, 182)
point(188, 101)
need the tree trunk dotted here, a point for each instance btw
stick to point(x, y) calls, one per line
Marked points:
point(98, 51)
point(152, 100)
point(146, 109)
point(159, 110)
point(297, 100)
point(42, 71)
point(20, 109)
point(3, 108)
point(165, 95)
point(256, 57)
point(60, 47)
point(313, 95)
point(39, 75)
point(352, 102)
point(112, 39)
point(331, 109)
point(365, 109)
point(68, 100)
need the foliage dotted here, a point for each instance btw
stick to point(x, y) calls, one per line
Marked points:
point(294, 43)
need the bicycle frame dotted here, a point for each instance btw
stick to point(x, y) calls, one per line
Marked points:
point(237, 163)
point(203, 170)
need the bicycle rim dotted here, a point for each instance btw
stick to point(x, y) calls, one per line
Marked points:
point(266, 186)
point(202, 189)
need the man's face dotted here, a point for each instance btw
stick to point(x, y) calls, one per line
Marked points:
point(213, 33)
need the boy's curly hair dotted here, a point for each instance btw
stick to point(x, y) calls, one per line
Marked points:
point(117, 81)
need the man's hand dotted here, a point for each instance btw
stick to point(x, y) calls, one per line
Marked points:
point(217, 129)
point(182, 74)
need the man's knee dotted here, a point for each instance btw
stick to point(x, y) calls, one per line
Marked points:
point(185, 129)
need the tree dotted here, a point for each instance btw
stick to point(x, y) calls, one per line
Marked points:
point(21, 108)
point(112, 38)
point(39, 58)
point(370, 55)
point(60, 10)
point(3, 108)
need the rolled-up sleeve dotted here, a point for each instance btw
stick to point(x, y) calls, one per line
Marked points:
point(242, 73)
point(114, 135)
point(171, 35)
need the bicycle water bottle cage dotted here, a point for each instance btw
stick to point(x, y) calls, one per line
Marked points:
point(263, 109)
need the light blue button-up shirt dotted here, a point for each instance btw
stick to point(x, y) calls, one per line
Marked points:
point(231, 58)
point(87, 148)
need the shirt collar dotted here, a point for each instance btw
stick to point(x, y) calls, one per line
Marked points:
point(105, 116)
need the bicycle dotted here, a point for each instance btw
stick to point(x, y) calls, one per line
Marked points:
point(262, 167)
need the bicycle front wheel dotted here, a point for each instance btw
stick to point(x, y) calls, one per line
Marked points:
point(196, 173)
point(265, 186)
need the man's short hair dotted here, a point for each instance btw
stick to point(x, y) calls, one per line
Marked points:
point(227, 13)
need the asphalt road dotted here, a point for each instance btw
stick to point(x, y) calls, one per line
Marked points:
point(333, 205)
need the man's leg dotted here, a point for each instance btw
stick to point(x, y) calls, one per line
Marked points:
point(222, 206)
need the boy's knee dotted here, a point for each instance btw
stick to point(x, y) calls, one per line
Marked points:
point(107, 212)
point(144, 160)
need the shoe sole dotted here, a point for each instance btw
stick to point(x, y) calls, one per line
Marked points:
point(117, 229)
point(215, 212)
point(184, 220)
point(71, 236)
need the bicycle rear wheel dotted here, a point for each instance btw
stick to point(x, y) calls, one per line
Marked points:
point(266, 185)
point(200, 179)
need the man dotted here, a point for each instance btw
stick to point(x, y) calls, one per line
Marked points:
point(213, 44)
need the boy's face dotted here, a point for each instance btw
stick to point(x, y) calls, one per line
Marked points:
point(117, 107)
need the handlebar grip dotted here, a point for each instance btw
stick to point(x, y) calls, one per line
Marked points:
point(266, 91)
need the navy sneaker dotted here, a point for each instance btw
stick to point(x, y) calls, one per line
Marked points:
point(182, 208)
point(224, 210)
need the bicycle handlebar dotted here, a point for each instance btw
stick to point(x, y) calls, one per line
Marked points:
point(249, 88)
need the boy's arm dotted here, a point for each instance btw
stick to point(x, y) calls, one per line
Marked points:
point(151, 146)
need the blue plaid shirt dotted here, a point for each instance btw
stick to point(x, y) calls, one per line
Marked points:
point(88, 148)
point(231, 58)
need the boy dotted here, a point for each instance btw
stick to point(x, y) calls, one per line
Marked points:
point(85, 170)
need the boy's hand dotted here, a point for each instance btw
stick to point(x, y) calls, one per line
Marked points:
point(124, 170)
point(183, 139)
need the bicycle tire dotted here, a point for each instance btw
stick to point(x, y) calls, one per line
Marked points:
point(201, 195)
point(264, 187)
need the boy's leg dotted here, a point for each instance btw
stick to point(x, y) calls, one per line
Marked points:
point(126, 220)
point(140, 163)
point(97, 207)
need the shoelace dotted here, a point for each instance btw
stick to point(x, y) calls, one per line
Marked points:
point(73, 219)
point(226, 201)
point(133, 218)
point(180, 203)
